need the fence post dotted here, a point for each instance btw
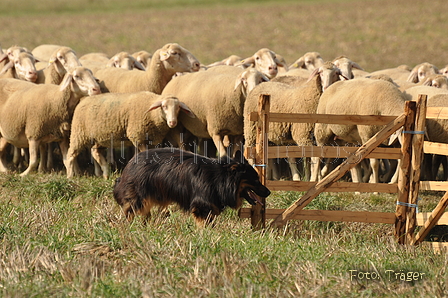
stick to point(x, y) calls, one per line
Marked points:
point(404, 178)
point(416, 161)
point(258, 211)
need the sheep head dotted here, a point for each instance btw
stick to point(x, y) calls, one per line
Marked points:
point(124, 60)
point(248, 79)
point(170, 107)
point(64, 59)
point(310, 61)
point(81, 81)
point(346, 66)
point(178, 59)
point(265, 61)
point(23, 63)
point(328, 74)
point(421, 71)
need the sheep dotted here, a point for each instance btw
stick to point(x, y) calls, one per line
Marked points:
point(290, 99)
point(45, 51)
point(437, 131)
point(230, 61)
point(165, 63)
point(413, 92)
point(265, 61)
point(217, 97)
point(399, 73)
point(346, 66)
point(436, 80)
point(422, 70)
point(444, 71)
point(21, 65)
point(124, 60)
point(309, 61)
point(59, 63)
point(113, 119)
point(143, 57)
point(361, 96)
point(31, 114)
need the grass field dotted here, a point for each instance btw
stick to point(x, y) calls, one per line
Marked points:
point(67, 238)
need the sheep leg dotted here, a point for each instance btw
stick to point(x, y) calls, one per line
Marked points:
point(43, 158)
point(34, 152)
point(315, 169)
point(101, 160)
point(3, 145)
point(294, 169)
point(217, 140)
point(394, 178)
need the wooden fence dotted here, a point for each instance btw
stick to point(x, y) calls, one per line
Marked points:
point(405, 218)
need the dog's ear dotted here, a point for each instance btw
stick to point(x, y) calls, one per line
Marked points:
point(239, 157)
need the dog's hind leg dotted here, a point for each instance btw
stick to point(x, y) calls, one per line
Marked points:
point(203, 211)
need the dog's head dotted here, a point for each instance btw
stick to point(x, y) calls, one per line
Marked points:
point(249, 186)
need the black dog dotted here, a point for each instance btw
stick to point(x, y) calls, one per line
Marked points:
point(198, 184)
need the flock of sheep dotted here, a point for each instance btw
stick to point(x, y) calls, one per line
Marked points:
point(49, 95)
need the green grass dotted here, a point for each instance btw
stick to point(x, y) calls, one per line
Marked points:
point(68, 238)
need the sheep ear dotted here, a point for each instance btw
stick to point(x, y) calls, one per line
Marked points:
point(396, 135)
point(356, 65)
point(239, 80)
point(66, 81)
point(427, 82)
point(186, 110)
point(111, 62)
point(413, 77)
point(154, 106)
point(313, 74)
point(164, 55)
point(247, 62)
point(299, 63)
point(7, 66)
point(3, 56)
point(137, 64)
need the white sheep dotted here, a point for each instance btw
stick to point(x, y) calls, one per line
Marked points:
point(265, 61)
point(444, 71)
point(43, 52)
point(346, 66)
point(422, 70)
point(217, 97)
point(144, 57)
point(20, 65)
point(309, 61)
point(165, 63)
point(117, 119)
point(229, 61)
point(361, 96)
point(31, 114)
point(286, 98)
point(413, 92)
point(59, 63)
point(124, 60)
point(399, 73)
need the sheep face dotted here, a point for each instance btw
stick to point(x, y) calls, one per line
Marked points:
point(346, 66)
point(82, 81)
point(178, 59)
point(25, 68)
point(170, 107)
point(249, 79)
point(65, 59)
point(309, 61)
point(328, 73)
point(421, 71)
point(124, 60)
point(265, 61)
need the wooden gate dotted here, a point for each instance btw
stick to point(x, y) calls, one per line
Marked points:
point(405, 218)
